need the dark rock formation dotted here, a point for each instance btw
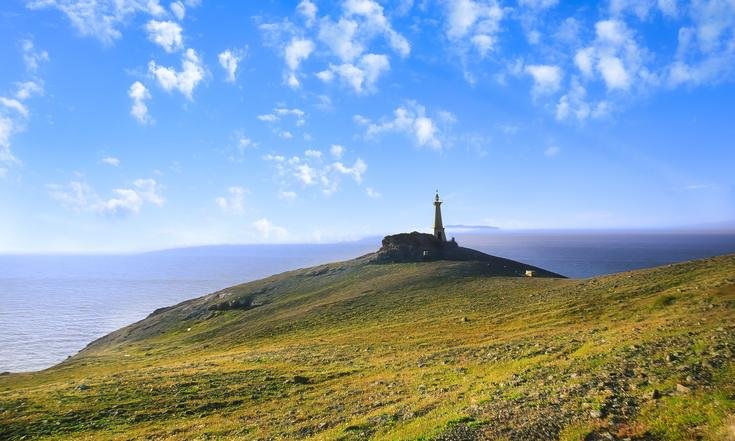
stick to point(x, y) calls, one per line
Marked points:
point(413, 247)
point(422, 247)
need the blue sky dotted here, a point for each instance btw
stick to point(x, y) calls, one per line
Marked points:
point(136, 124)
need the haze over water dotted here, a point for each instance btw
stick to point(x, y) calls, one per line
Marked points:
point(52, 306)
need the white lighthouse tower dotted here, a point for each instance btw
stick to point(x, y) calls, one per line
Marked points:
point(438, 225)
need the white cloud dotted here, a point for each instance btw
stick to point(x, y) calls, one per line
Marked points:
point(584, 61)
point(576, 104)
point(473, 23)
point(296, 52)
point(361, 77)
point(375, 22)
point(668, 7)
point(538, 4)
point(27, 89)
point(356, 171)
point(233, 202)
point(268, 230)
point(409, 119)
point(100, 19)
point(642, 8)
point(154, 8)
point(79, 196)
point(348, 38)
point(268, 117)
point(166, 34)
point(313, 170)
point(278, 114)
point(484, 43)
point(336, 150)
point(185, 81)
point(325, 75)
point(546, 78)
point(31, 57)
point(308, 10)
point(229, 61)
point(713, 22)
point(613, 32)
point(298, 114)
point(340, 38)
point(706, 48)
point(372, 193)
point(568, 31)
point(7, 127)
point(74, 196)
point(305, 173)
point(139, 95)
point(613, 72)
point(110, 160)
point(614, 57)
point(14, 115)
point(178, 9)
point(15, 105)
point(244, 143)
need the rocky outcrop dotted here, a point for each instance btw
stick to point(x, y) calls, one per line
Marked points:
point(413, 247)
point(422, 247)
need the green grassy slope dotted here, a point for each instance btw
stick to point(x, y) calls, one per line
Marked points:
point(433, 350)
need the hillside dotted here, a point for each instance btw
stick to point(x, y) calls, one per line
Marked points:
point(446, 350)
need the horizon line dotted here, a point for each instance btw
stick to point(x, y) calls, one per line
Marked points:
point(484, 229)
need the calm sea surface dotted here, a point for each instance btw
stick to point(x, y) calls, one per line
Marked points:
point(52, 306)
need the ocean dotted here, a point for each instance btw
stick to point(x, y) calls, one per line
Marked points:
point(52, 306)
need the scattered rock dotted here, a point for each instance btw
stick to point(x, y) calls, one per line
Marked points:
point(653, 395)
point(682, 389)
point(299, 379)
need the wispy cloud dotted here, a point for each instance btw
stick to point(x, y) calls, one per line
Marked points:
point(372, 193)
point(81, 197)
point(110, 160)
point(268, 230)
point(412, 120)
point(233, 202)
point(101, 19)
point(313, 170)
point(14, 112)
point(345, 43)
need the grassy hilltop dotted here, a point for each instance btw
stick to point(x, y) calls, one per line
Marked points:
point(434, 350)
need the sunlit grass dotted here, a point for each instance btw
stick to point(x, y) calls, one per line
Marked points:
point(409, 351)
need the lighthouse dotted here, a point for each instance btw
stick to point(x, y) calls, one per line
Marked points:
point(438, 225)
